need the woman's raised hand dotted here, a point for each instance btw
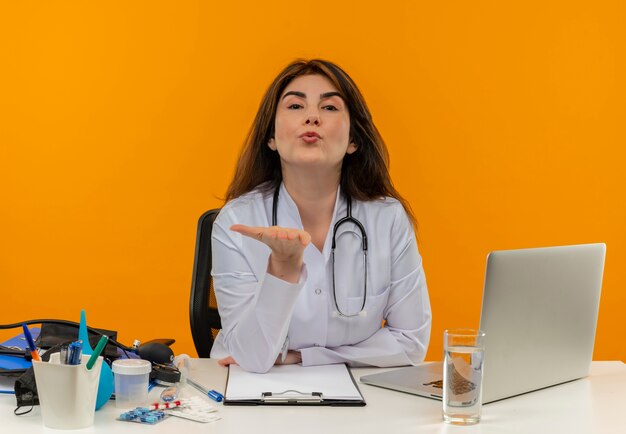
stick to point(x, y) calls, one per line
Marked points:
point(287, 247)
point(293, 357)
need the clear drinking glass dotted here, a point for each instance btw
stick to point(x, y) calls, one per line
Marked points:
point(464, 351)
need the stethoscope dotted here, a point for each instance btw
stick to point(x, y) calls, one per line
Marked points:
point(347, 219)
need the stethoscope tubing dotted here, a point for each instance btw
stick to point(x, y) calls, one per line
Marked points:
point(347, 219)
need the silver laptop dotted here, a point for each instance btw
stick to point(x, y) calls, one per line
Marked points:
point(539, 314)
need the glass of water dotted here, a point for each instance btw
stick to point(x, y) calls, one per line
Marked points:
point(464, 351)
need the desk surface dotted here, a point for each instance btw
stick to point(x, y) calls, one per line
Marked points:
point(594, 404)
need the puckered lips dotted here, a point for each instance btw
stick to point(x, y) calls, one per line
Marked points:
point(310, 137)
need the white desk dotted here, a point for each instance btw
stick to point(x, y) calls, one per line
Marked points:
point(595, 404)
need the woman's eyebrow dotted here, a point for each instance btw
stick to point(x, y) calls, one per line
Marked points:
point(294, 92)
point(303, 95)
point(330, 94)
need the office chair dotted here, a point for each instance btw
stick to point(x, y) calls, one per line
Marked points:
point(203, 314)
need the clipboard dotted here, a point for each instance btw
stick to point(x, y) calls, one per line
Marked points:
point(331, 385)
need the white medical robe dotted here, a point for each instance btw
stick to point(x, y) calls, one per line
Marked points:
point(263, 316)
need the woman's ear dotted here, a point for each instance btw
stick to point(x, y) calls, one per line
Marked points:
point(272, 144)
point(351, 148)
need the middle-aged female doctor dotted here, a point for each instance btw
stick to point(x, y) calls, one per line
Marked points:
point(315, 247)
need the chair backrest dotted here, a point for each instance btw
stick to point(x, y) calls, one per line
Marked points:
point(204, 317)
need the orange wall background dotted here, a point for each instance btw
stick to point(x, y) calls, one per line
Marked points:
point(120, 123)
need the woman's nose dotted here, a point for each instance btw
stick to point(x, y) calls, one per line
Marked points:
point(312, 119)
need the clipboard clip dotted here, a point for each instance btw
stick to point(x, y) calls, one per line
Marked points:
point(291, 396)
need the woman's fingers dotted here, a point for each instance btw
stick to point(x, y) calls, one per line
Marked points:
point(292, 358)
point(227, 361)
point(287, 247)
point(257, 232)
point(305, 238)
point(249, 231)
point(269, 235)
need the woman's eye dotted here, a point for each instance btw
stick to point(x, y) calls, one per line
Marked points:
point(294, 106)
point(331, 108)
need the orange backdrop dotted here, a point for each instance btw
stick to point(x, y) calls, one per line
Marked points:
point(120, 123)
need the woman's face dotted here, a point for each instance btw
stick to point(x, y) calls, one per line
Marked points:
point(312, 126)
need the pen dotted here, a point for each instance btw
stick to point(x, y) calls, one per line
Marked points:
point(31, 344)
point(96, 353)
point(197, 386)
point(63, 354)
point(74, 352)
point(213, 394)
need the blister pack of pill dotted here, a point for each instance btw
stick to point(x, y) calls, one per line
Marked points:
point(143, 415)
point(196, 409)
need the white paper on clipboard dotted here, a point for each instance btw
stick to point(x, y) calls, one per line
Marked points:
point(333, 382)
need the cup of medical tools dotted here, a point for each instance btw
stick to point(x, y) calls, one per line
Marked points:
point(131, 382)
point(67, 393)
point(464, 351)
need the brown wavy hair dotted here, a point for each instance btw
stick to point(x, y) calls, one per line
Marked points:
point(364, 173)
